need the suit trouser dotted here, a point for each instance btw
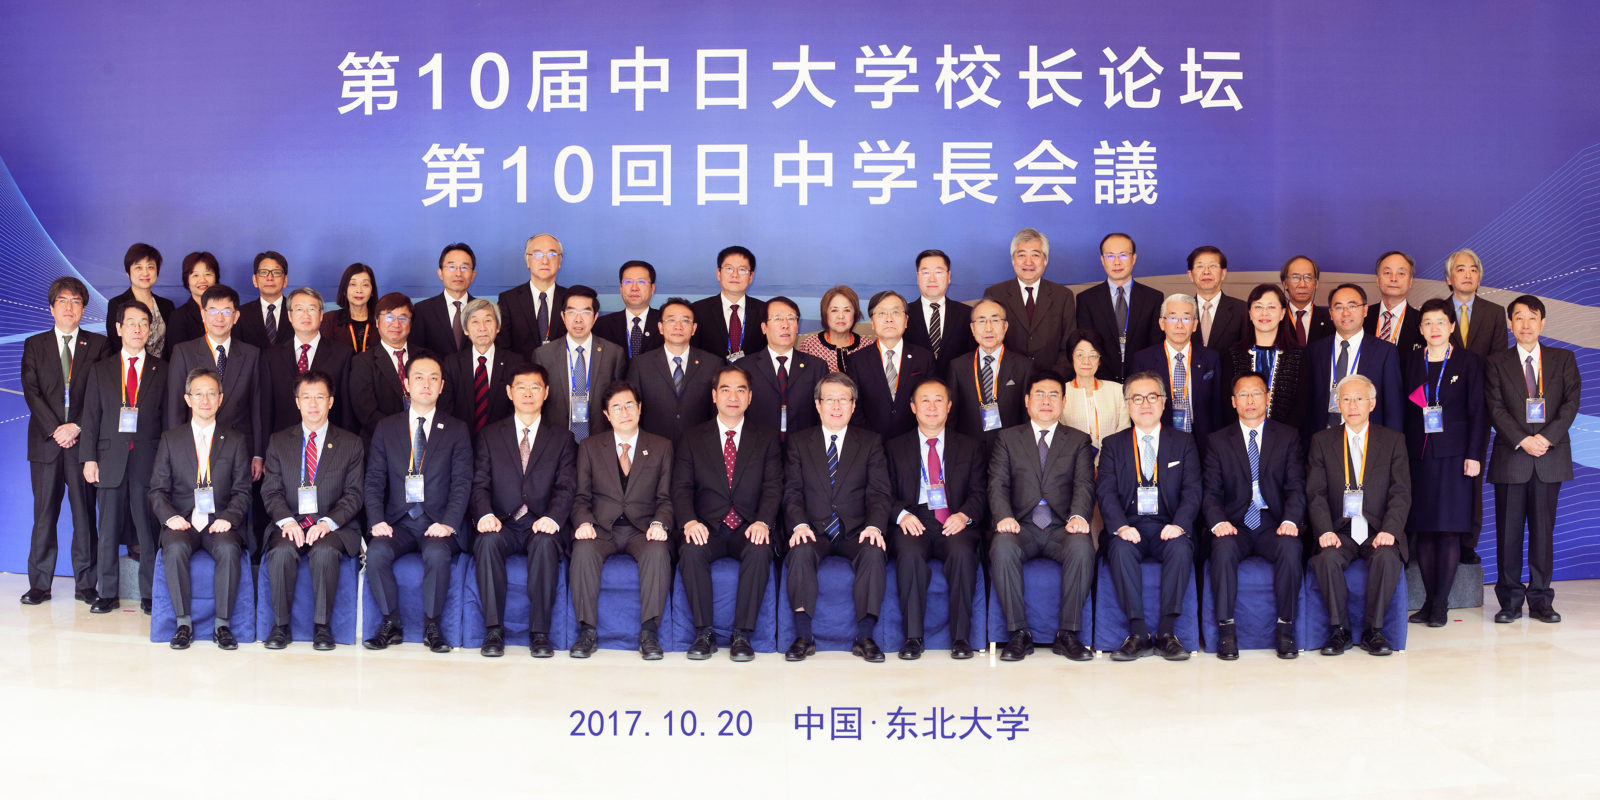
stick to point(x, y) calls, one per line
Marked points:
point(589, 556)
point(122, 507)
point(226, 550)
point(866, 560)
point(958, 552)
point(1073, 551)
point(50, 481)
point(1282, 552)
point(1531, 504)
point(1384, 570)
point(544, 551)
point(407, 537)
point(755, 563)
point(1177, 565)
point(1474, 535)
point(283, 569)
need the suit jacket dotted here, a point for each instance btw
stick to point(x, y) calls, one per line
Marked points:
point(446, 474)
point(99, 441)
point(615, 327)
point(1461, 393)
point(185, 323)
point(376, 392)
point(519, 319)
point(1230, 322)
point(1282, 475)
point(340, 482)
point(711, 326)
point(1010, 385)
point(1207, 396)
point(1410, 336)
point(1486, 329)
point(603, 495)
point(1378, 360)
point(243, 408)
point(432, 326)
point(1178, 481)
point(1288, 389)
point(1508, 395)
point(281, 368)
point(45, 390)
point(163, 308)
point(955, 318)
point(1055, 314)
point(1097, 311)
point(700, 490)
point(605, 363)
point(460, 369)
point(805, 371)
point(1017, 483)
point(172, 480)
point(252, 326)
point(1320, 324)
point(966, 478)
point(500, 485)
point(880, 407)
point(861, 494)
point(1386, 485)
point(667, 413)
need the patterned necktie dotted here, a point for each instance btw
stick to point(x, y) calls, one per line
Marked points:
point(455, 325)
point(580, 372)
point(480, 395)
point(1339, 371)
point(1041, 512)
point(635, 339)
point(1386, 332)
point(203, 461)
point(935, 331)
point(1027, 304)
point(544, 317)
point(936, 478)
point(311, 471)
point(304, 364)
point(525, 447)
point(677, 375)
point(222, 361)
point(833, 478)
point(890, 374)
point(1147, 451)
point(783, 378)
point(735, 330)
point(1529, 375)
point(627, 463)
point(272, 325)
point(729, 453)
point(1205, 324)
point(400, 372)
point(1252, 516)
point(419, 443)
point(986, 380)
point(1180, 394)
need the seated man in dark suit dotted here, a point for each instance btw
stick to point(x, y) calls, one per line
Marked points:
point(296, 355)
point(439, 323)
point(674, 380)
point(323, 466)
point(522, 491)
point(419, 476)
point(1255, 502)
point(476, 376)
point(200, 490)
point(377, 376)
point(726, 487)
point(1149, 489)
point(623, 505)
point(989, 384)
point(888, 371)
point(783, 380)
point(1193, 372)
point(637, 326)
point(836, 499)
point(1041, 494)
point(935, 320)
point(1358, 480)
point(939, 486)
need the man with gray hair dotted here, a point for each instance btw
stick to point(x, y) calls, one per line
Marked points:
point(1040, 312)
point(305, 351)
point(476, 376)
point(1193, 373)
point(532, 311)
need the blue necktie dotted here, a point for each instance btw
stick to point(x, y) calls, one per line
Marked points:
point(1180, 398)
point(833, 479)
point(580, 371)
point(1252, 517)
point(222, 361)
point(1147, 451)
point(677, 375)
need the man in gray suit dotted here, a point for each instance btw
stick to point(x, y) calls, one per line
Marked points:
point(1041, 312)
point(580, 365)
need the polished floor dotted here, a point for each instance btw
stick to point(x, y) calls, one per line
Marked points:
point(93, 709)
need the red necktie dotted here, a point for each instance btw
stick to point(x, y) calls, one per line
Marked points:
point(480, 390)
point(400, 371)
point(1299, 327)
point(311, 469)
point(1028, 305)
point(305, 361)
point(729, 452)
point(936, 478)
point(735, 331)
point(133, 382)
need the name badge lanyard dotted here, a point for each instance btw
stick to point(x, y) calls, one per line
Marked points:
point(1433, 401)
point(365, 332)
point(1355, 361)
point(1139, 467)
point(930, 487)
point(203, 473)
point(1091, 410)
point(1361, 470)
point(1171, 376)
point(977, 385)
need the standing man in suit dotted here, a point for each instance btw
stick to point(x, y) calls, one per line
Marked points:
point(580, 366)
point(1123, 310)
point(675, 385)
point(419, 477)
point(1224, 320)
point(439, 323)
point(726, 486)
point(888, 373)
point(476, 376)
point(1350, 351)
point(118, 450)
point(1395, 320)
point(55, 404)
point(1150, 490)
point(623, 505)
point(939, 487)
point(532, 311)
point(783, 380)
point(264, 322)
point(1481, 328)
point(200, 490)
point(935, 321)
point(323, 466)
point(306, 351)
point(836, 500)
point(1534, 392)
point(1300, 275)
point(723, 326)
point(1358, 479)
point(989, 384)
point(1040, 312)
point(377, 375)
point(522, 490)
point(637, 326)
point(1255, 502)
point(1041, 494)
point(1193, 373)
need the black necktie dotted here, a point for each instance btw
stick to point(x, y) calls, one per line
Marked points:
point(272, 325)
point(935, 330)
point(635, 339)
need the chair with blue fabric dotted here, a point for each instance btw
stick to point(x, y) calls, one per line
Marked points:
point(515, 619)
point(408, 571)
point(341, 616)
point(618, 623)
point(1255, 613)
point(1315, 625)
point(724, 590)
point(1041, 597)
point(1111, 626)
point(936, 633)
point(834, 624)
point(202, 603)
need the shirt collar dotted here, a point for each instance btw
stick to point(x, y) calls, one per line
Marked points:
point(722, 430)
point(1398, 310)
point(73, 333)
point(1354, 340)
point(1260, 428)
point(632, 442)
point(225, 344)
point(427, 420)
point(316, 339)
point(1037, 430)
point(999, 351)
point(1126, 287)
point(203, 431)
point(488, 354)
point(1187, 350)
point(1348, 432)
point(135, 354)
point(1523, 352)
point(451, 299)
point(586, 344)
point(322, 432)
point(937, 435)
point(667, 349)
point(1025, 286)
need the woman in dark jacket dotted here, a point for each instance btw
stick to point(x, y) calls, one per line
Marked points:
point(200, 273)
point(1271, 350)
point(353, 321)
point(143, 265)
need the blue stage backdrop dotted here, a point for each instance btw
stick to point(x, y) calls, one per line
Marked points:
point(833, 139)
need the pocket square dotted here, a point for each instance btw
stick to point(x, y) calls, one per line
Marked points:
point(1171, 464)
point(1207, 376)
point(1011, 383)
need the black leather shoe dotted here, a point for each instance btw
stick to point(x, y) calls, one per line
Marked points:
point(322, 637)
point(1418, 617)
point(1169, 648)
point(146, 605)
point(960, 650)
point(703, 646)
point(224, 638)
point(912, 649)
point(867, 649)
point(800, 649)
point(1544, 615)
point(278, 638)
point(34, 597)
point(649, 646)
point(182, 638)
point(740, 650)
point(433, 638)
point(1020, 646)
point(1504, 616)
point(1134, 647)
point(1068, 644)
point(539, 646)
point(1338, 642)
point(1438, 620)
point(1228, 641)
point(86, 596)
point(494, 642)
point(1470, 556)
point(104, 605)
point(588, 641)
point(388, 635)
point(1283, 641)
point(1373, 642)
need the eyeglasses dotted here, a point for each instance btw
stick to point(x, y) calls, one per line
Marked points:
point(837, 401)
point(580, 312)
point(988, 321)
point(637, 283)
point(1302, 279)
point(220, 313)
point(314, 398)
point(136, 326)
point(618, 408)
point(1089, 356)
point(69, 301)
point(787, 318)
point(457, 268)
point(393, 318)
point(678, 319)
point(543, 255)
point(203, 395)
point(1250, 395)
point(1042, 395)
point(1347, 306)
point(889, 313)
point(1176, 319)
point(304, 309)
point(1117, 257)
point(271, 273)
point(736, 270)
point(1150, 399)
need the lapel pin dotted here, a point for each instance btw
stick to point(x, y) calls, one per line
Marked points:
point(644, 452)
point(1453, 378)
point(438, 425)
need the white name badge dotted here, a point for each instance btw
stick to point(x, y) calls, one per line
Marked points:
point(1255, 495)
point(128, 420)
point(205, 500)
point(1536, 410)
point(735, 356)
point(1433, 419)
point(1149, 500)
point(991, 416)
point(414, 491)
point(580, 408)
point(1180, 418)
point(1333, 402)
point(1353, 501)
point(783, 418)
point(936, 498)
point(308, 500)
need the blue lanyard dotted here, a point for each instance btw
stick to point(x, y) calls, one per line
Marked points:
point(1438, 384)
point(924, 465)
point(1354, 361)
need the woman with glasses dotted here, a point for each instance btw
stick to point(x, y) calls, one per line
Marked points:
point(1271, 349)
point(200, 273)
point(1089, 404)
point(841, 310)
point(143, 265)
point(353, 321)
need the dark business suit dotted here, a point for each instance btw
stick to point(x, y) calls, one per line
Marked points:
point(502, 488)
point(1287, 381)
point(185, 323)
point(1442, 494)
point(1410, 336)
point(711, 326)
point(340, 484)
point(1282, 477)
point(52, 469)
point(243, 408)
point(1207, 396)
point(616, 327)
point(1378, 360)
point(1313, 325)
point(881, 408)
point(433, 324)
point(519, 318)
point(1097, 311)
point(252, 325)
point(667, 412)
point(125, 461)
point(172, 485)
point(767, 400)
point(1056, 312)
point(281, 369)
point(114, 306)
point(704, 492)
point(858, 496)
point(1525, 487)
point(955, 323)
point(605, 364)
point(1385, 504)
point(1065, 482)
point(1230, 322)
point(965, 482)
point(376, 392)
point(447, 472)
point(460, 399)
point(1179, 486)
point(621, 509)
point(1010, 387)
point(1486, 335)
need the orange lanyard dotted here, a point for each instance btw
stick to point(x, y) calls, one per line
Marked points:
point(365, 332)
point(1360, 471)
point(1093, 408)
point(129, 401)
point(1171, 376)
point(977, 385)
point(1138, 468)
